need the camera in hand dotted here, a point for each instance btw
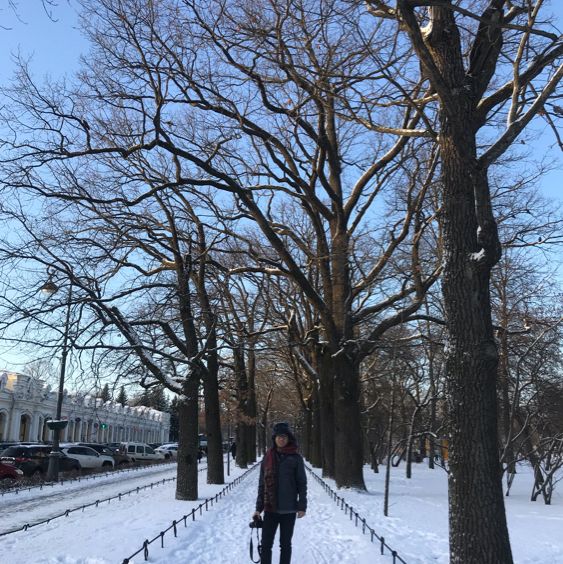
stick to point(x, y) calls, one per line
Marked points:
point(256, 523)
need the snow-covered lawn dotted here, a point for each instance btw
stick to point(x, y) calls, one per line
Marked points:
point(416, 527)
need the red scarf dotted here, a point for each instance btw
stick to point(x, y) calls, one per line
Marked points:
point(270, 471)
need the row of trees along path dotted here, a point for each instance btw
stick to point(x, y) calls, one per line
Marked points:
point(220, 179)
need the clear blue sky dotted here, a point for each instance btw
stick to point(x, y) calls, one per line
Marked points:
point(54, 44)
point(55, 47)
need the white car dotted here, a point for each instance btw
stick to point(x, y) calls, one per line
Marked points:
point(169, 450)
point(141, 452)
point(87, 456)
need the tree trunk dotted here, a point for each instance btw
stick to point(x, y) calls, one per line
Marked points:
point(410, 440)
point(326, 387)
point(315, 456)
point(374, 463)
point(215, 467)
point(307, 419)
point(188, 406)
point(251, 409)
point(478, 529)
point(504, 392)
point(389, 452)
point(250, 444)
point(242, 396)
point(431, 441)
point(186, 482)
point(348, 437)
point(263, 438)
point(475, 479)
point(539, 480)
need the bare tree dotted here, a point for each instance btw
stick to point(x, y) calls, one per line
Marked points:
point(152, 315)
point(509, 64)
point(264, 104)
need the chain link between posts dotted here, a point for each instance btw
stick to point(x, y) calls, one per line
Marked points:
point(96, 503)
point(357, 518)
point(189, 516)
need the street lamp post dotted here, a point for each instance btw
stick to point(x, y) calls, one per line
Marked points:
point(58, 424)
point(229, 448)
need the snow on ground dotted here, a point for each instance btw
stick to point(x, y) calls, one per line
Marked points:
point(33, 505)
point(112, 532)
point(416, 527)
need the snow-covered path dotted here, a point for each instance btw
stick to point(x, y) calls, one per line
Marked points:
point(324, 535)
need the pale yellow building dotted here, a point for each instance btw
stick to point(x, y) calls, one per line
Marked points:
point(26, 405)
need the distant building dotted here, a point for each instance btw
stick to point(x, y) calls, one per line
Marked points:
point(26, 405)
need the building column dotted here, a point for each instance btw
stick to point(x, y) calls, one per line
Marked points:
point(69, 431)
point(45, 431)
point(3, 425)
point(33, 426)
point(14, 426)
point(24, 427)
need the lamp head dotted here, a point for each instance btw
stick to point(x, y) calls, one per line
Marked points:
point(49, 288)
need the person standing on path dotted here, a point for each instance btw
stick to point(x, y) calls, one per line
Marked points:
point(282, 492)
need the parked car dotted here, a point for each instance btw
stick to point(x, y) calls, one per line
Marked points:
point(141, 452)
point(203, 443)
point(170, 450)
point(9, 472)
point(5, 445)
point(34, 459)
point(118, 457)
point(87, 456)
point(115, 446)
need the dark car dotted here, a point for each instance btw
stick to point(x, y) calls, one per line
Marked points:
point(5, 445)
point(112, 445)
point(9, 472)
point(34, 459)
point(118, 457)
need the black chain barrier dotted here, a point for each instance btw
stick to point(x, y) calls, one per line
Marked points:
point(192, 515)
point(17, 489)
point(96, 503)
point(355, 516)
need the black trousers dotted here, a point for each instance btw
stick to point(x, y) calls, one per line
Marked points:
point(286, 521)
